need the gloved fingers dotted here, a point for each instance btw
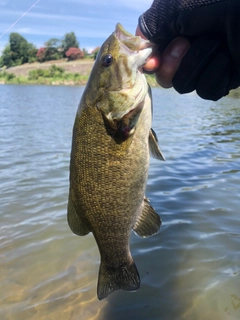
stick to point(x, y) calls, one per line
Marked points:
point(214, 80)
point(200, 53)
point(170, 61)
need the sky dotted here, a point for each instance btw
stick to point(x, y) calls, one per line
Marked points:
point(91, 20)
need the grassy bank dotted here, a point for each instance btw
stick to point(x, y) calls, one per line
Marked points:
point(61, 74)
point(52, 74)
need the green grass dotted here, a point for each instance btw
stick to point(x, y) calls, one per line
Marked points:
point(57, 76)
point(5, 76)
point(54, 75)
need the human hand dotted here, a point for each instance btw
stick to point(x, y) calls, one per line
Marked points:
point(165, 65)
point(209, 62)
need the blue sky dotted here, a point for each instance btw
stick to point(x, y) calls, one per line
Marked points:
point(92, 21)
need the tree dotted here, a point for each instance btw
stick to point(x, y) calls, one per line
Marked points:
point(18, 51)
point(74, 54)
point(85, 52)
point(53, 50)
point(95, 52)
point(41, 56)
point(6, 58)
point(32, 51)
point(53, 43)
point(19, 48)
point(69, 41)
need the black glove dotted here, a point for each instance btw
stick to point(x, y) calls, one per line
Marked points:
point(212, 64)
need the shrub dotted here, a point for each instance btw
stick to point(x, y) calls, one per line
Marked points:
point(74, 54)
point(32, 75)
point(41, 54)
point(52, 72)
point(9, 76)
point(32, 59)
point(53, 69)
point(36, 74)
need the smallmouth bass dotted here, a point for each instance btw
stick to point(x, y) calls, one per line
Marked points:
point(112, 139)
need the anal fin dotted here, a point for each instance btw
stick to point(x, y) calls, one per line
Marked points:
point(75, 223)
point(154, 147)
point(148, 223)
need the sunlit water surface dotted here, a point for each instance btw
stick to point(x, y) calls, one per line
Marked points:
point(190, 270)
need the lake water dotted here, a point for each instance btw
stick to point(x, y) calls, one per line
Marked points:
point(190, 270)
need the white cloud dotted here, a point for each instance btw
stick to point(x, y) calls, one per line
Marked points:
point(24, 30)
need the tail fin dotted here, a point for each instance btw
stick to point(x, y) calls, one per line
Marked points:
point(123, 277)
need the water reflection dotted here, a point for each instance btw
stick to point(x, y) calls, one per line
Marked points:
point(190, 270)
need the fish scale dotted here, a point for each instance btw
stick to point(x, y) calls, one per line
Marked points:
point(112, 139)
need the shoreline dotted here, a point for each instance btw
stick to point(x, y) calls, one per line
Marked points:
point(74, 73)
point(83, 66)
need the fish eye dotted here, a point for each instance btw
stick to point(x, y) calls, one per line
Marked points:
point(107, 60)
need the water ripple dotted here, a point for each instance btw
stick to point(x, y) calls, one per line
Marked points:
point(190, 270)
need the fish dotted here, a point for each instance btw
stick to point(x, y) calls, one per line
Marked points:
point(111, 144)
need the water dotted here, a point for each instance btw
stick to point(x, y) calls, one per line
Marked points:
point(190, 270)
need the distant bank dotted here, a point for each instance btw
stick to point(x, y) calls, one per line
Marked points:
point(61, 72)
point(80, 66)
point(56, 72)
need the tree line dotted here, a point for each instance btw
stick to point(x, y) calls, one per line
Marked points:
point(19, 51)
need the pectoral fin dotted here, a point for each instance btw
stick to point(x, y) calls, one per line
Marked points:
point(153, 146)
point(75, 223)
point(149, 222)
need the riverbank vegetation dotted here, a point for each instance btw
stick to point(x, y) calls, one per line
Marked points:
point(19, 51)
point(52, 76)
point(55, 75)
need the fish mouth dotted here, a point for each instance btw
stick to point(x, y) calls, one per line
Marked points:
point(134, 45)
point(132, 55)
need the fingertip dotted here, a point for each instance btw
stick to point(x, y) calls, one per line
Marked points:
point(152, 64)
